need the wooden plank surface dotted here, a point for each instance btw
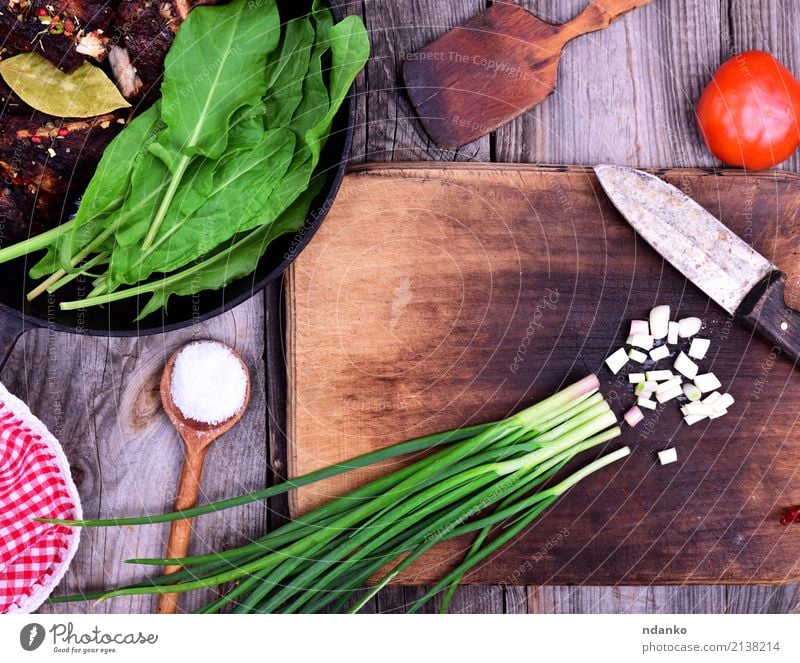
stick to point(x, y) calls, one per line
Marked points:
point(387, 129)
point(626, 96)
point(476, 290)
point(100, 398)
point(640, 118)
point(686, 39)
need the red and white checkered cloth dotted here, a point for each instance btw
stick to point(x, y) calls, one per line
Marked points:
point(34, 483)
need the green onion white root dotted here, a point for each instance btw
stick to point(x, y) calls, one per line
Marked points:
point(658, 335)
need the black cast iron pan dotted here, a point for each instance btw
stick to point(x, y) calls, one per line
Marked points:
point(18, 315)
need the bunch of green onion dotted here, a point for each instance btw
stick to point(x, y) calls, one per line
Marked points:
point(487, 479)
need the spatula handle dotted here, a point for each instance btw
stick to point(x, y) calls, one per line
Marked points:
point(765, 311)
point(600, 13)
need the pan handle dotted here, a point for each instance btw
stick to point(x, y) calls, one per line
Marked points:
point(12, 324)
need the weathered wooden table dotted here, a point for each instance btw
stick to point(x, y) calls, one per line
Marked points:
point(625, 95)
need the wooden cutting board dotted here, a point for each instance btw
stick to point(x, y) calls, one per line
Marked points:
point(434, 296)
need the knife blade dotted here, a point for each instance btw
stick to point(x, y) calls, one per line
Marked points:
point(705, 251)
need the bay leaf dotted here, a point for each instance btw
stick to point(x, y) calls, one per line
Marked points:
point(84, 93)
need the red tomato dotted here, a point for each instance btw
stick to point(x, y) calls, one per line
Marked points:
point(748, 113)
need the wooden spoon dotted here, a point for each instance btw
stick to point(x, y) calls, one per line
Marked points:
point(197, 438)
point(494, 67)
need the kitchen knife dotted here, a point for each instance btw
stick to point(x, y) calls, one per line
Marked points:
point(728, 270)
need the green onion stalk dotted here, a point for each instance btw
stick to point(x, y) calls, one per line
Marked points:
point(491, 480)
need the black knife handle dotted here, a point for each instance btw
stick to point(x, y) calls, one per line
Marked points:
point(764, 310)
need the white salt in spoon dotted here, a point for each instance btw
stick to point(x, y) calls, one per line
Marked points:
point(197, 437)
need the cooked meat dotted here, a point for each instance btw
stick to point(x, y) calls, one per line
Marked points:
point(46, 162)
point(14, 225)
point(64, 31)
point(147, 28)
point(10, 103)
point(45, 165)
point(128, 81)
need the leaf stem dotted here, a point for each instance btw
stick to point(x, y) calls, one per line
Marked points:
point(549, 497)
point(41, 241)
point(98, 259)
point(163, 283)
point(61, 273)
point(387, 453)
point(166, 201)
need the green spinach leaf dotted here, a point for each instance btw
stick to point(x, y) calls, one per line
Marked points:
point(149, 180)
point(197, 103)
point(192, 193)
point(350, 49)
point(231, 262)
point(286, 72)
point(106, 192)
point(215, 66)
point(242, 185)
point(315, 101)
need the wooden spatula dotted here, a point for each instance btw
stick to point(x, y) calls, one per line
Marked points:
point(494, 67)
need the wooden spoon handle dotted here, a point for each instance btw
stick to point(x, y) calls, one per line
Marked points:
point(181, 530)
point(599, 14)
